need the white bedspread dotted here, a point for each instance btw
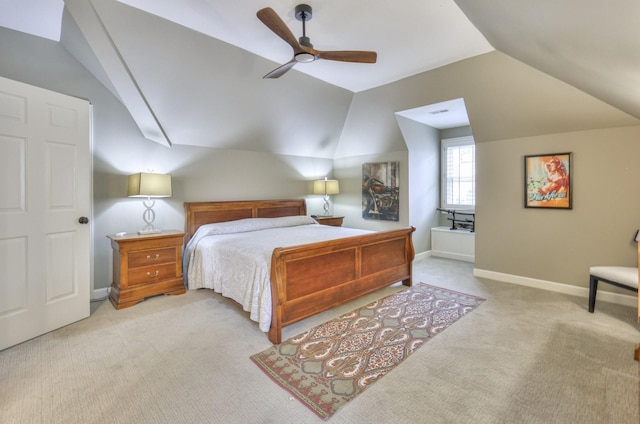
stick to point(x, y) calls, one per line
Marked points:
point(234, 258)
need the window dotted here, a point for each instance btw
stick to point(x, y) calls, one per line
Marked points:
point(458, 181)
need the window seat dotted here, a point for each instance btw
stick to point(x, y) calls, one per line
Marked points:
point(453, 244)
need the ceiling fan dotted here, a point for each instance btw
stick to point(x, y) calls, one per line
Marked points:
point(303, 51)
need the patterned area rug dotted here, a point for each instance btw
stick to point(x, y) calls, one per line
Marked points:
point(328, 365)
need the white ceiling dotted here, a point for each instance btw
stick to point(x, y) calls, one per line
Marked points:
point(410, 37)
point(38, 17)
point(443, 115)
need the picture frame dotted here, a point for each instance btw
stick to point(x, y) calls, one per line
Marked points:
point(380, 191)
point(548, 181)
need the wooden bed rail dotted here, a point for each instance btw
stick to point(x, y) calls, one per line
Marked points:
point(312, 278)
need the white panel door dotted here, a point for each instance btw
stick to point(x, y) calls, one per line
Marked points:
point(45, 190)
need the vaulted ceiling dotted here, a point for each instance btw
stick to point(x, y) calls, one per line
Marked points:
point(411, 37)
point(190, 72)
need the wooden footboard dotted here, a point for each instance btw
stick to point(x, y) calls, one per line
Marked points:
point(312, 278)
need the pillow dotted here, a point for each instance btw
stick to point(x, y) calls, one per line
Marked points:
point(250, 224)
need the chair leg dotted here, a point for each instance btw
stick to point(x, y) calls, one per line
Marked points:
point(593, 288)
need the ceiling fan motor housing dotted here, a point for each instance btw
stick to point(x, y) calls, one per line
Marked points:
point(305, 41)
point(304, 12)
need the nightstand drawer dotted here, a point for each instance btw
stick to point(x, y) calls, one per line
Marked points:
point(152, 257)
point(152, 274)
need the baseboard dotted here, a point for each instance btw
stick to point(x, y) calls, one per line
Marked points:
point(451, 255)
point(448, 255)
point(603, 295)
point(424, 254)
point(97, 294)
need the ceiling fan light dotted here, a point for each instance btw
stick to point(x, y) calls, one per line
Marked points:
point(305, 57)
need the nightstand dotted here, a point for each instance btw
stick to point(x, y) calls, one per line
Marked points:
point(335, 221)
point(146, 265)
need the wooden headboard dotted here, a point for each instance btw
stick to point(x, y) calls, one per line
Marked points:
point(200, 213)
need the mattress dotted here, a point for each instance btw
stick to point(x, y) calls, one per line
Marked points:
point(234, 258)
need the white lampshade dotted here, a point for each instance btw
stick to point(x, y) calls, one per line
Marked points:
point(326, 187)
point(149, 185)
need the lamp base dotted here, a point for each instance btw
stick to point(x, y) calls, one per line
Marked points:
point(154, 231)
point(326, 205)
point(149, 216)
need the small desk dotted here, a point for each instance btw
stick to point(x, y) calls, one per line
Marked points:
point(335, 221)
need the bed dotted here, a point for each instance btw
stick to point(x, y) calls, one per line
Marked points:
point(310, 277)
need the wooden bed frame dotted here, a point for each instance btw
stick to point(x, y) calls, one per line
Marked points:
point(311, 278)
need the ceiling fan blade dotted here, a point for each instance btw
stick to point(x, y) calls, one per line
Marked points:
point(271, 19)
point(281, 70)
point(348, 56)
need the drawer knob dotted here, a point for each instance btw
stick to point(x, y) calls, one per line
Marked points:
point(150, 275)
point(153, 258)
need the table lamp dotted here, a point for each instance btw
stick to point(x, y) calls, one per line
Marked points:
point(149, 185)
point(326, 187)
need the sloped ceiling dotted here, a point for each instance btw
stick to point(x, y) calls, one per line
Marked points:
point(162, 71)
point(410, 37)
point(589, 44)
point(204, 92)
point(190, 72)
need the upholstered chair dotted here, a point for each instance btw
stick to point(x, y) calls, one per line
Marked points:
point(619, 276)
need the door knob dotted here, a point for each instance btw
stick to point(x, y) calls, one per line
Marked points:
point(83, 220)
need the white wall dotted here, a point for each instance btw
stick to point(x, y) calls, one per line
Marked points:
point(349, 202)
point(119, 149)
point(423, 143)
point(198, 174)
